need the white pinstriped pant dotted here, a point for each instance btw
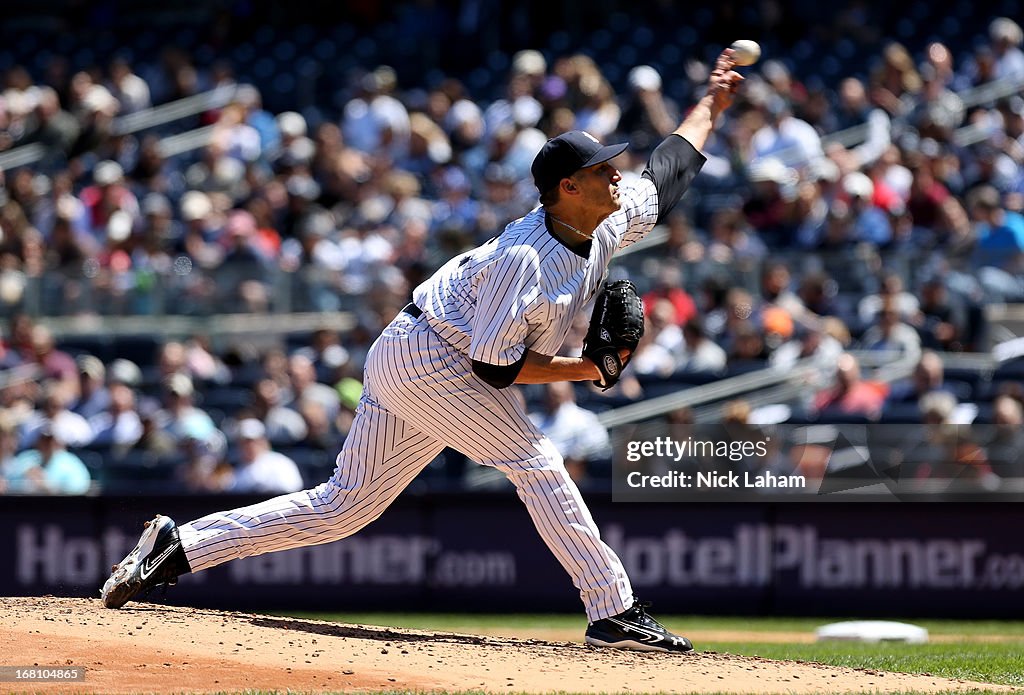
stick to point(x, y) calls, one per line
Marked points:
point(419, 396)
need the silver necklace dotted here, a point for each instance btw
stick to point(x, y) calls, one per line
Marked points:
point(571, 228)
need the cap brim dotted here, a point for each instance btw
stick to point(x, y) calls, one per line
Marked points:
point(605, 153)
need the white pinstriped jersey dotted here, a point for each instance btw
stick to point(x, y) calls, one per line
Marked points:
point(522, 289)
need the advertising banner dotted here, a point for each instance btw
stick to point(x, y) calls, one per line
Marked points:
point(480, 552)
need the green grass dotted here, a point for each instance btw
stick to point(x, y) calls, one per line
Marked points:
point(992, 662)
point(986, 662)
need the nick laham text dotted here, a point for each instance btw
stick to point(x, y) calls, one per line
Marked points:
point(712, 479)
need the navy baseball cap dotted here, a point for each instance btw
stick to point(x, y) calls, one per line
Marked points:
point(566, 154)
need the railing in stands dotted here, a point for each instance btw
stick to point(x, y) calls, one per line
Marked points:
point(139, 121)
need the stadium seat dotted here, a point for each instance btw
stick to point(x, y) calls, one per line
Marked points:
point(143, 350)
point(900, 414)
point(228, 399)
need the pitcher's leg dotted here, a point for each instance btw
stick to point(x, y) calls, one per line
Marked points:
point(490, 427)
point(381, 456)
point(564, 522)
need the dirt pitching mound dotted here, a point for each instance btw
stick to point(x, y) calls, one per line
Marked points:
point(165, 649)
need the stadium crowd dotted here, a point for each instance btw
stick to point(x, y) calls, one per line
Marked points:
point(790, 245)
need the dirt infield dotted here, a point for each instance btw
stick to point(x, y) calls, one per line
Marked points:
point(161, 649)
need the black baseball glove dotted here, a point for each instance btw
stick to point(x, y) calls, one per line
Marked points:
point(617, 323)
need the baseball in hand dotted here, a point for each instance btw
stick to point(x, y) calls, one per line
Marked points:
point(745, 51)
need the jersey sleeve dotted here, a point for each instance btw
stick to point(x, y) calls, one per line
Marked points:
point(639, 208)
point(504, 295)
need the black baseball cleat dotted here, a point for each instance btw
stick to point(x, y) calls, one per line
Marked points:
point(157, 558)
point(634, 629)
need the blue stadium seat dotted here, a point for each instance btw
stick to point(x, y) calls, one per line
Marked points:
point(227, 399)
point(143, 350)
point(86, 345)
point(900, 414)
point(1014, 369)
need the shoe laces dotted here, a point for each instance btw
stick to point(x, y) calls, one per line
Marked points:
point(641, 607)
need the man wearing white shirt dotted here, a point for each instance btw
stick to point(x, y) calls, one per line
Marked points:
point(576, 432)
point(260, 469)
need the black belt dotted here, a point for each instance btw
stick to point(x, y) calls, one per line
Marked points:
point(412, 310)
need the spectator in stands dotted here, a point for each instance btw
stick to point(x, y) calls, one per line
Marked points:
point(771, 207)
point(1006, 37)
point(107, 195)
point(50, 125)
point(172, 359)
point(120, 426)
point(242, 276)
point(155, 439)
point(855, 109)
point(53, 362)
point(599, 112)
point(895, 83)
point(664, 327)
point(262, 121)
point(125, 372)
point(738, 428)
point(668, 285)
point(947, 452)
point(94, 107)
point(203, 469)
point(651, 356)
point(940, 58)
point(284, 426)
point(890, 290)
point(375, 120)
point(868, 222)
point(813, 344)
point(8, 446)
point(576, 432)
point(733, 241)
point(304, 386)
point(274, 365)
point(130, 90)
point(928, 376)
point(851, 395)
point(648, 116)
point(182, 418)
point(892, 334)
point(927, 199)
point(48, 469)
point(1000, 235)
point(739, 309)
point(747, 349)
point(503, 200)
point(939, 111)
point(202, 362)
point(68, 427)
point(817, 292)
point(791, 140)
point(260, 469)
point(93, 397)
point(456, 212)
point(350, 390)
point(1005, 445)
point(234, 137)
point(321, 432)
point(775, 291)
point(942, 321)
point(701, 354)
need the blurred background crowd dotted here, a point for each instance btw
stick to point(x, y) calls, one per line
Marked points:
point(863, 196)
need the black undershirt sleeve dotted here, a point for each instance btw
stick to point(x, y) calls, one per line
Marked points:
point(672, 167)
point(499, 377)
